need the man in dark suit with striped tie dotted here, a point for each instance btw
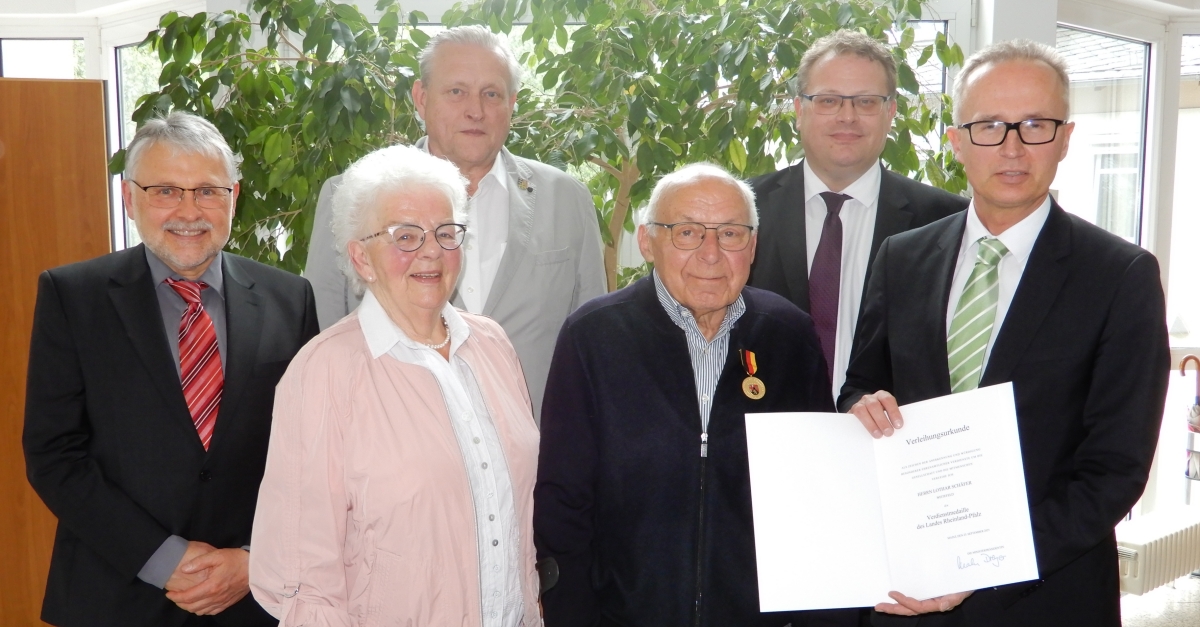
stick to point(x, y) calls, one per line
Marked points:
point(152, 377)
point(1018, 290)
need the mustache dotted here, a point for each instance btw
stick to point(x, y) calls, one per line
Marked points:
point(181, 225)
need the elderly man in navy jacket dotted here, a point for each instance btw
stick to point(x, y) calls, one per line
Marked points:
point(642, 503)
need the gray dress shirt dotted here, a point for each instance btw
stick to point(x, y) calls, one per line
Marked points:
point(708, 358)
point(162, 563)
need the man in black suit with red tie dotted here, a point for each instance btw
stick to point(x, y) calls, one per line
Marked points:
point(823, 219)
point(1017, 290)
point(152, 376)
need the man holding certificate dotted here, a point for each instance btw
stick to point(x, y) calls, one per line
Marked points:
point(1017, 290)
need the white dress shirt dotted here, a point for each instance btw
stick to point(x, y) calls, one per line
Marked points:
point(858, 228)
point(486, 468)
point(487, 237)
point(1019, 240)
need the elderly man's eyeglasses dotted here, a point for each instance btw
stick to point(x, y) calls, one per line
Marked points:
point(689, 235)
point(829, 104)
point(169, 196)
point(410, 237)
point(1031, 132)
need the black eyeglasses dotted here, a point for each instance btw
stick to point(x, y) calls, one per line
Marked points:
point(1031, 132)
point(169, 196)
point(689, 235)
point(829, 104)
point(410, 237)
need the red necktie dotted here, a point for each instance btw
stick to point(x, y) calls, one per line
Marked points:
point(825, 278)
point(199, 360)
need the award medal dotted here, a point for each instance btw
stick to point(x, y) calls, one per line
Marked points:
point(752, 386)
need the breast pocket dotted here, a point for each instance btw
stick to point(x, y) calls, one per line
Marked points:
point(554, 277)
point(553, 256)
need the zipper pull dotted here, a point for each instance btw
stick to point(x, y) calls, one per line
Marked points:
point(704, 444)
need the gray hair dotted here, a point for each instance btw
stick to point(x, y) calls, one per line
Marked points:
point(381, 172)
point(694, 173)
point(1003, 52)
point(473, 35)
point(187, 133)
point(844, 42)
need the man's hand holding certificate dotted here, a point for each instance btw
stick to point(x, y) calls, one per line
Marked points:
point(842, 519)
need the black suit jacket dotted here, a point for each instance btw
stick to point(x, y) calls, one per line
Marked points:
point(1084, 344)
point(109, 442)
point(781, 262)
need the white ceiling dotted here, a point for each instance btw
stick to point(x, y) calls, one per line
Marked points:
point(433, 8)
point(103, 8)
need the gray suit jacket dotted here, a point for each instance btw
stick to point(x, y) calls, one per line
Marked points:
point(551, 266)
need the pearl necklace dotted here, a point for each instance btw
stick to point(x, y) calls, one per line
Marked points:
point(443, 343)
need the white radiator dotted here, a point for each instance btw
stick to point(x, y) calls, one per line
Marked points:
point(1158, 548)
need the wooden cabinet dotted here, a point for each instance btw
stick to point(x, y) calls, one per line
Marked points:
point(54, 209)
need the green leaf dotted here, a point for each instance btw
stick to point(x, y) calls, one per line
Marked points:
point(908, 80)
point(389, 25)
point(342, 36)
point(273, 147)
point(116, 165)
point(672, 144)
point(737, 155)
point(183, 50)
point(257, 135)
point(350, 99)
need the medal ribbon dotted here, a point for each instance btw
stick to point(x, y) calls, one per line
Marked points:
point(749, 362)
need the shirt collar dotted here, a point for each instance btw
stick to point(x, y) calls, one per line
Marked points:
point(1018, 238)
point(865, 189)
point(498, 171)
point(214, 275)
point(683, 318)
point(383, 335)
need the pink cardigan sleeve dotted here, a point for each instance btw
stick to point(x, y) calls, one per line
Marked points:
point(296, 566)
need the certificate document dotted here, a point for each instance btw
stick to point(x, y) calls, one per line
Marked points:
point(841, 518)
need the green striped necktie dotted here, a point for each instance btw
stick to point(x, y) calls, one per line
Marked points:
point(974, 317)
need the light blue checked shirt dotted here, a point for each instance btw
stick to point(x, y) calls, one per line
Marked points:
point(708, 358)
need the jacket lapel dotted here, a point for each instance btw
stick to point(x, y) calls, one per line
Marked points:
point(1040, 284)
point(522, 198)
point(787, 201)
point(243, 327)
point(939, 267)
point(892, 215)
point(665, 347)
point(131, 290)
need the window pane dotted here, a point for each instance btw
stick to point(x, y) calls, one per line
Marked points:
point(137, 75)
point(1183, 290)
point(42, 58)
point(1101, 178)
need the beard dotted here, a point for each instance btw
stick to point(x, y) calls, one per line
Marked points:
point(183, 259)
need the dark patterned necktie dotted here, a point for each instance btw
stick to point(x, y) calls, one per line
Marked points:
point(825, 278)
point(199, 360)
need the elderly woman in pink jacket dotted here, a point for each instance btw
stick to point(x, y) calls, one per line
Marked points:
point(399, 481)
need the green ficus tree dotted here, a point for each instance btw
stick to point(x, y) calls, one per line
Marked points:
point(635, 89)
point(619, 93)
point(326, 87)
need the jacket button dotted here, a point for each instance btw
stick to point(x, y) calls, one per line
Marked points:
point(205, 475)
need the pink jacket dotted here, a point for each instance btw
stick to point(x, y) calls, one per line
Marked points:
point(365, 514)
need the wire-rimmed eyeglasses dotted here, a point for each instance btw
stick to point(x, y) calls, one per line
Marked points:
point(689, 235)
point(410, 237)
point(829, 104)
point(1031, 132)
point(169, 196)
